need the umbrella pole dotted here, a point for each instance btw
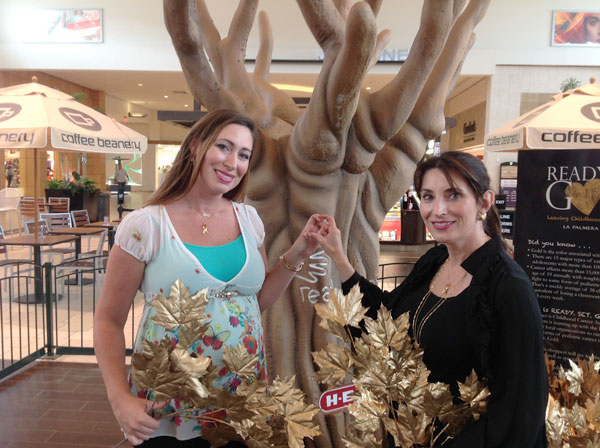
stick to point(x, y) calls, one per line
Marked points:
point(35, 192)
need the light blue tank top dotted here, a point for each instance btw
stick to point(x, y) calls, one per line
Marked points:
point(222, 262)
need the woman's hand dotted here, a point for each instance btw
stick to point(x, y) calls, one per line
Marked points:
point(327, 235)
point(132, 414)
point(305, 245)
point(329, 238)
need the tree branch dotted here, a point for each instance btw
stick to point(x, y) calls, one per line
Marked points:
point(184, 29)
point(324, 22)
point(265, 48)
point(210, 36)
point(383, 39)
point(350, 67)
point(240, 27)
point(375, 6)
point(459, 5)
point(429, 109)
point(391, 106)
point(343, 7)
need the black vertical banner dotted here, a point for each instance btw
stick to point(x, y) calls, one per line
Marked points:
point(557, 241)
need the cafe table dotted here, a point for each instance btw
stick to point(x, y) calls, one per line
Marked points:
point(110, 226)
point(37, 242)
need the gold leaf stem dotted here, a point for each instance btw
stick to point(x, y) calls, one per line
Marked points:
point(439, 434)
point(191, 410)
point(122, 442)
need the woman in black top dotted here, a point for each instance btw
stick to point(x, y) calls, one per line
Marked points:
point(471, 306)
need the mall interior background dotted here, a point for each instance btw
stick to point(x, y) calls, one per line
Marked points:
point(512, 68)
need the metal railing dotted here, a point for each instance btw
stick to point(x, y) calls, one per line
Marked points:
point(48, 310)
point(58, 318)
point(392, 274)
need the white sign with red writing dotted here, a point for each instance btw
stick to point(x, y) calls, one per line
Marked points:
point(336, 399)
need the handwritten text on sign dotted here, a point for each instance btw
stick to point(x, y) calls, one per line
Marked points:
point(317, 268)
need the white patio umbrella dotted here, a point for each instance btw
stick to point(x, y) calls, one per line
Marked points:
point(570, 121)
point(29, 113)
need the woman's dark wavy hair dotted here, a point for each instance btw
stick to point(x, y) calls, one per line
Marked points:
point(186, 168)
point(472, 170)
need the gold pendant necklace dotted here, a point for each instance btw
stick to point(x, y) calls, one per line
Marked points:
point(418, 327)
point(206, 215)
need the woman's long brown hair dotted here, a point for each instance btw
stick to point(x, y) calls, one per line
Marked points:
point(186, 167)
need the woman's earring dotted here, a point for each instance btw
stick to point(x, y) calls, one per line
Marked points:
point(481, 215)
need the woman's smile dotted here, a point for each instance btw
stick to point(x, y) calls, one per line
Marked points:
point(224, 176)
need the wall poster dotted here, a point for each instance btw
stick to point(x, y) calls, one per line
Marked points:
point(557, 242)
point(63, 26)
point(579, 28)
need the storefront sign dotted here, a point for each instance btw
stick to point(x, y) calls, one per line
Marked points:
point(500, 201)
point(507, 222)
point(556, 241)
point(508, 182)
point(469, 128)
point(336, 399)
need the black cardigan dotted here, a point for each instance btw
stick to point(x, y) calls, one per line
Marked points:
point(501, 338)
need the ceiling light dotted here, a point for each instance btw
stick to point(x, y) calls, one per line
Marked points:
point(185, 105)
point(294, 87)
point(166, 96)
point(140, 84)
point(136, 115)
point(369, 88)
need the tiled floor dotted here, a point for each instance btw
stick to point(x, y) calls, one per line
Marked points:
point(57, 404)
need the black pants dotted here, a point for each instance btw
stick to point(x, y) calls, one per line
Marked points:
point(120, 192)
point(168, 442)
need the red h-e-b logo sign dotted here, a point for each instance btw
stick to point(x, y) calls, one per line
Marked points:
point(336, 399)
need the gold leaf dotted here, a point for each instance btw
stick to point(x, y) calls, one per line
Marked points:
point(334, 364)
point(189, 364)
point(575, 377)
point(335, 329)
point(408, 429)
point(299, 424)
point(437, 400)
point(367, 409)
point(180, 309)
point(235, 406)
point(238, 361)
point(556, 425)
point(576, 419)
point(192, 333)
point(391, 380)
point(345, 310)
point(284, 392)
point(253, 434)
point(152, 371)
point(386, 332)
point(474, 393)
point(362, 441)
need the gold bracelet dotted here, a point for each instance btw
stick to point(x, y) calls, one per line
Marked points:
point(289, 266)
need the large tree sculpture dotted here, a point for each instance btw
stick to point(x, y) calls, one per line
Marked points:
point(350, 154)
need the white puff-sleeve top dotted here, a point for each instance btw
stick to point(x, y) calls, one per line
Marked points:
point(148, 235)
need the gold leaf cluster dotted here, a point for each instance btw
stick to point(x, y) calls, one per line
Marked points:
point(391, 379)
point(573, 414)
point(263, 415)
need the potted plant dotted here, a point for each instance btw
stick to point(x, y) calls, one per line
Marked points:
point(82, 191)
